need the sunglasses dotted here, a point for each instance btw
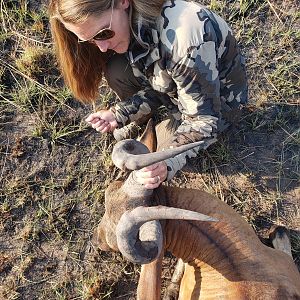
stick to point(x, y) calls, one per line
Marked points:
point(103, 34)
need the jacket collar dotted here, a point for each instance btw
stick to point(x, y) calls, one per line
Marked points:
point(144, 45)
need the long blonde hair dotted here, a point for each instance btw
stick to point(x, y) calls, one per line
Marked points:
point(82, 64)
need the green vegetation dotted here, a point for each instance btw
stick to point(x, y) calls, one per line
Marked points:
point(54, 169)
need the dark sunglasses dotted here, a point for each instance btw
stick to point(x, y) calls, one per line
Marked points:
point(103, 34)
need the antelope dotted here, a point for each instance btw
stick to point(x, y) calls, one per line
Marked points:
point(223, 257)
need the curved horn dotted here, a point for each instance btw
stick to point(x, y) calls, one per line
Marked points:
point(133, 155)
point(134, 241)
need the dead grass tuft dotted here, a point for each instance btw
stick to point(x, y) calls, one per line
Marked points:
point(36, 62)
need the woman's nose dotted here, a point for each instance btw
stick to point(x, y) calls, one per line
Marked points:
point(102, 45)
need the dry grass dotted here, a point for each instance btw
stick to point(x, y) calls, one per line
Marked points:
point(54, 169)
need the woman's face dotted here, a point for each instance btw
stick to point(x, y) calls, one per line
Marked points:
point(120, 25)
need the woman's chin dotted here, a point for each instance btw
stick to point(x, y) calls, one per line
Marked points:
point(120, 51)
point(121, 48)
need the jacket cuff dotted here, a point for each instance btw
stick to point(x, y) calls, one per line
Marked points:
point(176, 163)
point(117, 116)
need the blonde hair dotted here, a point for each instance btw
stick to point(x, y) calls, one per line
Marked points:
point(82, 64)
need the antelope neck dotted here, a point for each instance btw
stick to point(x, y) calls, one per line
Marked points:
point(134, 189)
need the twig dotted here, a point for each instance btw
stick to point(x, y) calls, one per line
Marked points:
point(9, 101)
point(271, 83)
point(273, 9)
point(247, 155)
point(5, 157)
point(290, 135)
point(7, 65)
point(35, 282)
point(31, 39)
point(2, 17)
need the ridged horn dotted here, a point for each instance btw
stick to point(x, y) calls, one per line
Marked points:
point(139, 243)
point(133, 155)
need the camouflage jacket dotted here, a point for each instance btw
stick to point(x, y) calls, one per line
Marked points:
point(190, 63)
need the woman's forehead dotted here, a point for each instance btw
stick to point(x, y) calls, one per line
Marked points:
point(90, 26)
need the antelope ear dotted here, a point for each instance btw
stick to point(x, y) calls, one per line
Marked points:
point(148, 137)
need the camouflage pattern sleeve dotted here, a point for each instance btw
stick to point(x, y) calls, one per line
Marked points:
point(198, 85)
point(197, 80)
point(141, 105)
point(211, 84)
point(179, 161)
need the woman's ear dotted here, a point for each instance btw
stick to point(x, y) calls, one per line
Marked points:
point(123, 4)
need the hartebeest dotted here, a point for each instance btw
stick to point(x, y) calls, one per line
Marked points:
point(224, 259)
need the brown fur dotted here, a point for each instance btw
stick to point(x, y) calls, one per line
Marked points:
point(225, 259)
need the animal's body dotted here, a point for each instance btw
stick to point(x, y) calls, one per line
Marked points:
point(224, 259)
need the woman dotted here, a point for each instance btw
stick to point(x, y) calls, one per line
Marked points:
point(175, 54)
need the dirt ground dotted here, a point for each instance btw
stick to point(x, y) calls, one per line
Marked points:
point(54, 169)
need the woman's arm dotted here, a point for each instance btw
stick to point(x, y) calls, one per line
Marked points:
point(137, 108)
point(141, 105)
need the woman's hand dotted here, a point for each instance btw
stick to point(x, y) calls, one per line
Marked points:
point(103, 121)
point(152, 176)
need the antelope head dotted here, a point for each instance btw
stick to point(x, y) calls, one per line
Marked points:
point(131, 221)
